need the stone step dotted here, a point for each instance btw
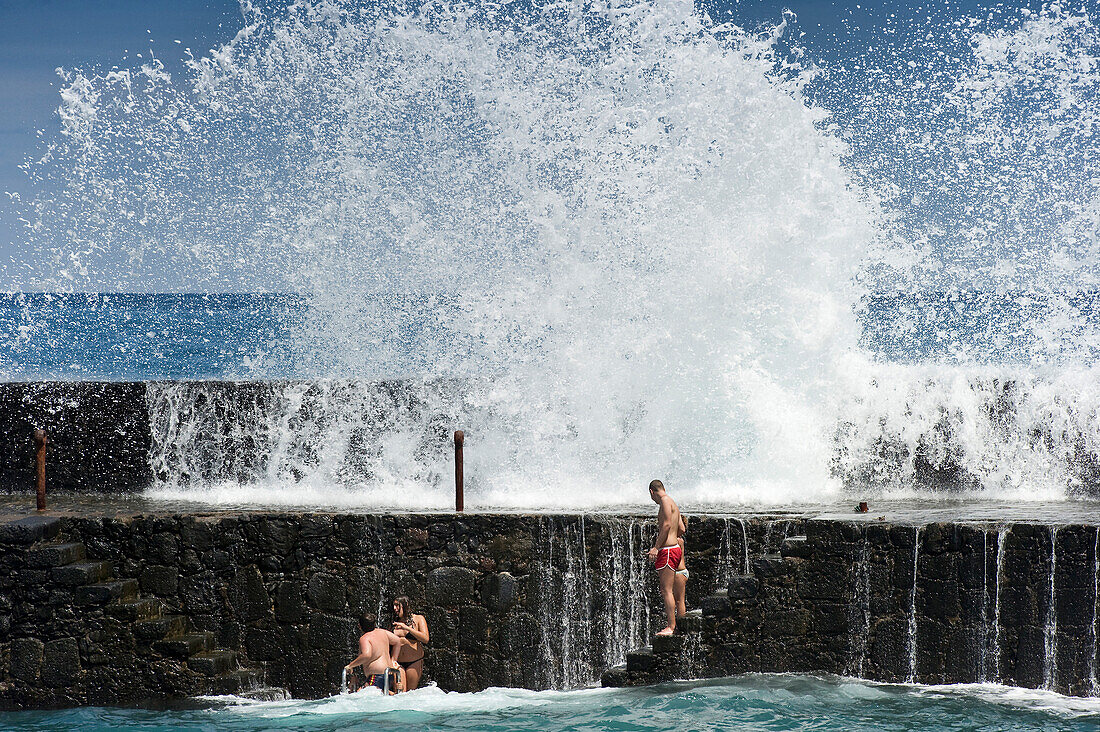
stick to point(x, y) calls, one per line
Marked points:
point(665, 644)
point(185, 646)
point(241, 682)
point(133, 610)
point(716, 605)
point(641, 659)
point(102, 593)
point(266, 694)
point(213, 663)
point(148, 631)
point(55, 555)
point(29, 529)
point(81, 573)
point(615, 677)
point(690, 623)
point(795, 546)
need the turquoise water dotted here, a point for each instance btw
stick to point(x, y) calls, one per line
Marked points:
point(754, 702)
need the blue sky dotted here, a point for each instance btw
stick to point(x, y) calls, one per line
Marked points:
point(38, 36)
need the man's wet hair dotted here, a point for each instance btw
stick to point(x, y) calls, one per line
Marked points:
point(656, 485)
point(367, 622)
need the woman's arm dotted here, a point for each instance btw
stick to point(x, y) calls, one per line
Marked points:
point(420, 629)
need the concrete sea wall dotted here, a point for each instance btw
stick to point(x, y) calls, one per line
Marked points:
point(941, 603)
point(122, 609)
point(119, 609)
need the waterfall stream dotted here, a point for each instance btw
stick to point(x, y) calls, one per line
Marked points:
point(1094, 687)
point(593, 611)
point(859, 611)
point(1002, 535)
point(911, 643)
point(1050, 628)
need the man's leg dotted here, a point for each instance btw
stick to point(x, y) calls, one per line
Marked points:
point(666, 578)
point(679, 590)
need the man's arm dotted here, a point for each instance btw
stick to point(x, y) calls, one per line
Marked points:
point(665, 522)
point(364, 654)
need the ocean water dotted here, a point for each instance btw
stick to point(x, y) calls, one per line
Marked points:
point(151, 337)
point(756, 702)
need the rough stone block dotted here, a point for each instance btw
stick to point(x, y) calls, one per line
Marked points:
point(742, 587)
point(81, 573)
point(160, 580)
point(787, 623)
point(329, 633)
point(716, 605)
point(164, 548)
point(197, 535)
point(55, 555)
point(416, 539)
point(364, 586)
point(832, 536)
point(473, 628)
point(772, 565)
point(61, 662)
point(510, 549)
point(450, 586)
point(29, 529)
point(517, 633)
point(199, 592)
point(796, 546)
point(499, 591)
point(326, 592)
point(249, 594)
point(939, 600)
point(266, 644)
point(830, 619)
point(290, 602)
point(825, 580)
point(26, 658)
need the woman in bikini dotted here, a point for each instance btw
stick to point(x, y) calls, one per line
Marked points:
point(413, 631)
point(679, 583)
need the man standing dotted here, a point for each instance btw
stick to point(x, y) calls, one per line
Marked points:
point(666, 552)
point(377, 650)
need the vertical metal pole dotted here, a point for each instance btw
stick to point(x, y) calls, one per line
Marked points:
point(40, 467)
point(459, 439)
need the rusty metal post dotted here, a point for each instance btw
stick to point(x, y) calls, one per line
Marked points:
point(40, 441)
point(459, 439)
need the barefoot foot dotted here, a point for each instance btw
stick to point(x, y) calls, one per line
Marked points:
point(666, 631)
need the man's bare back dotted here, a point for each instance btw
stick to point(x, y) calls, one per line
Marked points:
point(377, 650)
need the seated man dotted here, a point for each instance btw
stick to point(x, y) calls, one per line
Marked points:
point(377, 650)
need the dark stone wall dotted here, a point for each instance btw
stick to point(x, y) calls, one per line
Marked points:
point(123, 609)
point(842, 599)
point(98, 431)
point(276, 596)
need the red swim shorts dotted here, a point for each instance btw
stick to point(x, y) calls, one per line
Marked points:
point(668, 556)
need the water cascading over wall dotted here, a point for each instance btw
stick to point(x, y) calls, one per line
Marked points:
point(938, 603)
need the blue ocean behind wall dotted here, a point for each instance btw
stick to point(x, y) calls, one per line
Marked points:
point(151, 337)
point(773, 260)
